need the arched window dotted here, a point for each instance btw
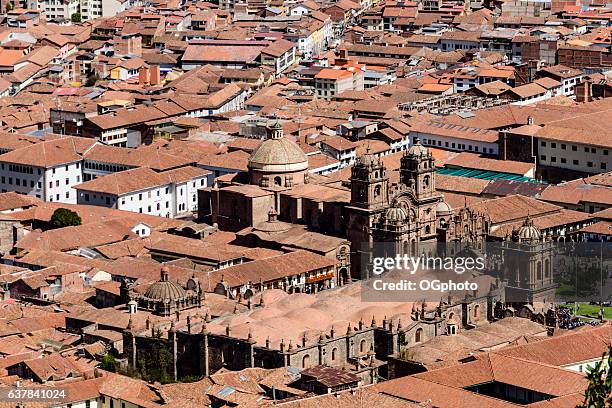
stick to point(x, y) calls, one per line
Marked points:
point(334, 354)
point(427, 229)
point(539, 270)
point(278, 181)
point(418, 335)
point(363, 346)
point(376, 191)
point(306, 361)
point(476, 311)
point(406, 247)
point(426, 182)
point(547, 268)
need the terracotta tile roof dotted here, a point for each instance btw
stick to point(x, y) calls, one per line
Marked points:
point(513, 208)
point(333, 74)
point(125, 182)
point(222, 53)
point(475, 161)
point(435, 127)
point(577, 193)
point(600, 228)
point(144, 156)
point(49, 153)
point(69, 238)
point(278, 48)
point(272, 269)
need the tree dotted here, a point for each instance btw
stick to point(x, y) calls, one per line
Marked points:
point(63, 217)
point(599, 390)
point(108, 363)
point(156, 364)
point(9, 6)
point(92, 79)
point(75, 18)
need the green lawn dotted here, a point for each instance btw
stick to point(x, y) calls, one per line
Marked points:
point(592, 310)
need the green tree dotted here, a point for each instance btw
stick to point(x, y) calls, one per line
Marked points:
point(599, 390)
point(92, 79)
point(108, 363)
point(75, 18)
point(9, 6)
point(63, 217)
point(156, 364)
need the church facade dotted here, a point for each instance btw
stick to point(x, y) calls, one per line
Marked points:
point(405, 216)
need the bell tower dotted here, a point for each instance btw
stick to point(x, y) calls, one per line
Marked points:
point(369, 183)
point(417, 170)
point(369, 198)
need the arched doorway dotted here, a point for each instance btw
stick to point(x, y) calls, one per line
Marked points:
point(418, 335)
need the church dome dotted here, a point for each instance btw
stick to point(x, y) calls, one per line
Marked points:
point(443, 208)
point(528, 231)
point(395, 215)
point(417, 149)
point(278, 155)
point(163, 289)
point(272, 225)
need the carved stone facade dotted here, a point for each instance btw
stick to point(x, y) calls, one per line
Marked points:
point(407, 214)
point(365, 346)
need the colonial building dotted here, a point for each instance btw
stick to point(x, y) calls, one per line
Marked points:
point(528, 268)
point(164, 297)
point(406, 214)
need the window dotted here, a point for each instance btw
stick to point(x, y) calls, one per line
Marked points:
point(543, 143)
point(3, 180)
point(140, 196)
point(553, 159)
point(39, 185)
point(56, 183)
point(590, 164)
point(605, 152)
point(563, 146)
point(86, 197)
point(17, 181)
point(586, 149)
point(149, 209)
point(31, 183)
point(67, 181)
point(158, 206)
point(542, 157)
point(563, 160)
point(67, 194)
point(66, 167)
point(574, 148)
point(603, 166)
point(362, 346)
point(553, 145)
point(576, 162)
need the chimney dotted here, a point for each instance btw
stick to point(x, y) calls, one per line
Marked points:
point(143, 76)
point(155, 75)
